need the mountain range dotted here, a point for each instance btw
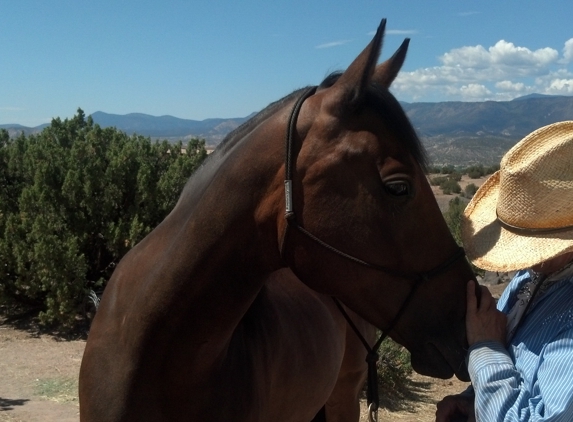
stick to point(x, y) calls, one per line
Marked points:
point(459, 133)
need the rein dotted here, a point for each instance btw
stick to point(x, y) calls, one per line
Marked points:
point(372, 356)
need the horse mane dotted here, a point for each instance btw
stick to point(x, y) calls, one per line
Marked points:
point(254, 121)
point(377, 97)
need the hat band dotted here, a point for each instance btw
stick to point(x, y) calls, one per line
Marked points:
point(529, 230)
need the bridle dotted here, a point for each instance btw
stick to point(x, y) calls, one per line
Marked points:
point(290, 216)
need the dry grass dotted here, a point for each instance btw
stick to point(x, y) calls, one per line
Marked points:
point(60, 390)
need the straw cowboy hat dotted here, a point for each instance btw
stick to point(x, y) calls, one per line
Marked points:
point(523, 214)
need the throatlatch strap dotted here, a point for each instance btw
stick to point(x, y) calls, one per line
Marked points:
point(372, 356)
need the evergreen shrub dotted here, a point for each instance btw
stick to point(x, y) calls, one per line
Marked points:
point(73, 200)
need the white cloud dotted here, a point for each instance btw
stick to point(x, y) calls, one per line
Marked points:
point(467, 57)
point(333, 44)
point(396, 32)
point(558, 82)
point(504, 56)
point(473, 92)
point(500, 72)
point(560, 87)
point(568, 51)
point(401, 32)
point(518, 87)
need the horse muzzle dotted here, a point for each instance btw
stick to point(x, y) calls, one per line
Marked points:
point(440, 362)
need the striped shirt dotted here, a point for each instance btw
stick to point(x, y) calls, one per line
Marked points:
point(531, 379)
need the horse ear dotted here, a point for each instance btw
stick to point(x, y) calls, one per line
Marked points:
point(350, 87)
point(386, 72)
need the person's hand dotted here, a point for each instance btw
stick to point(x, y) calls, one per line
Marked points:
point(455, 408)
point(483, 322)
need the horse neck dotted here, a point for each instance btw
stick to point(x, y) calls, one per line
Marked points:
point(220, 241)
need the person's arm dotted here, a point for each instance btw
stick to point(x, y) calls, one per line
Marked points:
point(501, 393)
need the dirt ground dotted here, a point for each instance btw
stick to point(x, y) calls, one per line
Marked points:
point(38, 375)
point(444, 200)
point(39, 372)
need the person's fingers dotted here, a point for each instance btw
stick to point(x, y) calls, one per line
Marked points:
point(444, 410)
point(441, 417)
point(487, 301)
point(471, 298)
point(450, 408)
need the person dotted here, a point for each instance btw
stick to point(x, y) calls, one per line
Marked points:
point(520, 355)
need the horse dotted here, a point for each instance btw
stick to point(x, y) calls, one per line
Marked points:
point(309, 226)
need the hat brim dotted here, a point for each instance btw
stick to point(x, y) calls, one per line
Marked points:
point(493, 247)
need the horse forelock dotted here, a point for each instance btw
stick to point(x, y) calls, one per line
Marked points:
point(381, 100)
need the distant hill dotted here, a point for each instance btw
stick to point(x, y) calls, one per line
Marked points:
point(212, 130)
point(459, 133)
point(527, 97)
point(514, 118)
point(15, 130)
point(465, 133)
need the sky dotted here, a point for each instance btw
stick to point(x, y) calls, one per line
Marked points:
point(200, 59)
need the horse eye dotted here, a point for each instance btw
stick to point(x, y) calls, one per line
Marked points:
point(398, 188)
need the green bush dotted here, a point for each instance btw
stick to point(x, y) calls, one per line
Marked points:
point(475, 172)
point(434, 169)
point(74, 199)
point(470, 190)
point(449, 183)
point(453, 217)
point(438, 180)
point(449, 169)
point(394, 366)
point(450, 186)
point(492, 169)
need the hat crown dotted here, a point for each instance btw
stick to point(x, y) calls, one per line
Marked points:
point(536, 180)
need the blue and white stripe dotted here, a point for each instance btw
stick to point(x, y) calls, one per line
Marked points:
point(531, 379)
